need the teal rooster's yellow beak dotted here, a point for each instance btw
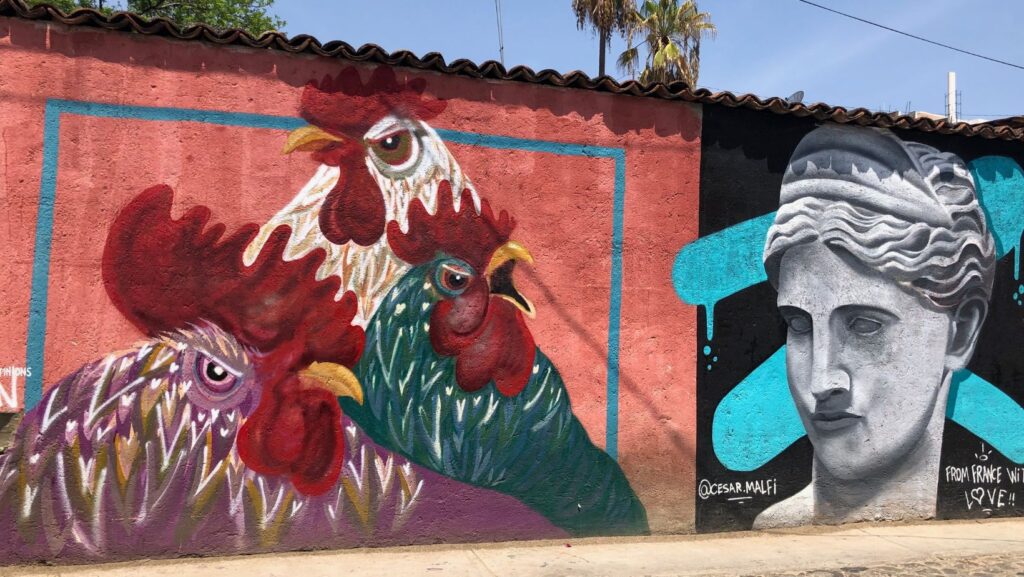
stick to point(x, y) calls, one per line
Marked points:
point(499, 273)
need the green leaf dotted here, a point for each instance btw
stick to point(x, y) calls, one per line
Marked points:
point(253, 16)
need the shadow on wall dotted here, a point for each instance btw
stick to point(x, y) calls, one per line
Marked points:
point(662, 116)
point(8, 424)
point(654, 409)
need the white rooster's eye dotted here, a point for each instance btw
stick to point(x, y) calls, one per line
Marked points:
point(394, 146)
point(398, 151)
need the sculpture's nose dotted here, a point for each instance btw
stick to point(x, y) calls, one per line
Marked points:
point(828, 379)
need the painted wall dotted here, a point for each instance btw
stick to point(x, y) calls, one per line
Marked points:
point(261, 302)
point(480, 268)
point(860, 314)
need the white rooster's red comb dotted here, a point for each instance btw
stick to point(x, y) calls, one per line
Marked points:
point(347, 105)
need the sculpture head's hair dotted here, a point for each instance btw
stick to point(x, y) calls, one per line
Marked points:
point(900, 208)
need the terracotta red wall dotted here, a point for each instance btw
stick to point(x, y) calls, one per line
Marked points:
point(564, 205)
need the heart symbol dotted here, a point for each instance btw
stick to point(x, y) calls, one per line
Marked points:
point(977, 494)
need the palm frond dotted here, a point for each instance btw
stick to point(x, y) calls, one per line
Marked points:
point(605, 16)
point(672, 32)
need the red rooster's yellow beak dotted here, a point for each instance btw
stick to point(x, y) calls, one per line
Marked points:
point(309, 139)
point(336, 378)
point(499, 274)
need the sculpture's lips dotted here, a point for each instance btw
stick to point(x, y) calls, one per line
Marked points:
point(833, 420)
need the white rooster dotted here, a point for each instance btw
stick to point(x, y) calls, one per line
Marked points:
point(377, 155)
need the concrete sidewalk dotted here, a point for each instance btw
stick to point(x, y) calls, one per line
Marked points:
point(784, 551)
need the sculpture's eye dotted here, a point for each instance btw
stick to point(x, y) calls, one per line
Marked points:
point(798, 324)
point(398, 150)
point(864, 325)
point(453, 276)
point(215, 378)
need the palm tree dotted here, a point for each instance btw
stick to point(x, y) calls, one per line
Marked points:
point(606, 16)
point(672, 33)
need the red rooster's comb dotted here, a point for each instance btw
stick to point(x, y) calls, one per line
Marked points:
point(347, 105)
point(464, 234)
point(164, 274)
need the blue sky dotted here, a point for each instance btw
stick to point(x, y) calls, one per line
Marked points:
point(768, 47)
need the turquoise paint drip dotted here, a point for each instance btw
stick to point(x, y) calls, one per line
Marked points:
point(715, 266)
point(1000, 185)
point(757, 420)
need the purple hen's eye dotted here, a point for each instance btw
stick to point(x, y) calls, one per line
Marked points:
point(214, 377)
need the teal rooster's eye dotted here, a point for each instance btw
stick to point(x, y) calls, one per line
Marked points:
point(452, 277)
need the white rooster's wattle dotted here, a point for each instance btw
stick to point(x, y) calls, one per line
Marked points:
point(377, 154)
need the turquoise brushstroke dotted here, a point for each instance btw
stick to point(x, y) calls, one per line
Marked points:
point(715, 266)
point(981, 408)
point(757, 419)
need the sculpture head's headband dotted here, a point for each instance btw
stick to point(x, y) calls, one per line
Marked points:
point(874, 169)
point(901, 208)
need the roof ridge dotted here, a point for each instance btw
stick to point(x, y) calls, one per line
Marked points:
point(433, 61)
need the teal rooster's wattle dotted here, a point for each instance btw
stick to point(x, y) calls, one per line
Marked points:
point(453, 380)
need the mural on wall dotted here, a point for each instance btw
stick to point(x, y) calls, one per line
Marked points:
point(830, 405)
point(883, 265)
point(387, 281)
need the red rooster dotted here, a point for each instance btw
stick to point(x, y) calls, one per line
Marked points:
point(218, 434)
point(288, 336)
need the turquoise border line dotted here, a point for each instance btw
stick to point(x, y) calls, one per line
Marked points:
point(48, 193)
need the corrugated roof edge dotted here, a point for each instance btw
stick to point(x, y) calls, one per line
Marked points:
point(305, 44)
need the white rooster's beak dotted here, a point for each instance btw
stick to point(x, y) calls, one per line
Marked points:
point(309, 139)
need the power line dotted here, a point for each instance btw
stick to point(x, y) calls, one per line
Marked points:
point(501, 39)
point(968, 52)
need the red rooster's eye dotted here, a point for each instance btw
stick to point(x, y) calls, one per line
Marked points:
point(453, 277)
point(395, 149)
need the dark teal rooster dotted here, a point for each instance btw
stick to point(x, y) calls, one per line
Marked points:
point(453, 381)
